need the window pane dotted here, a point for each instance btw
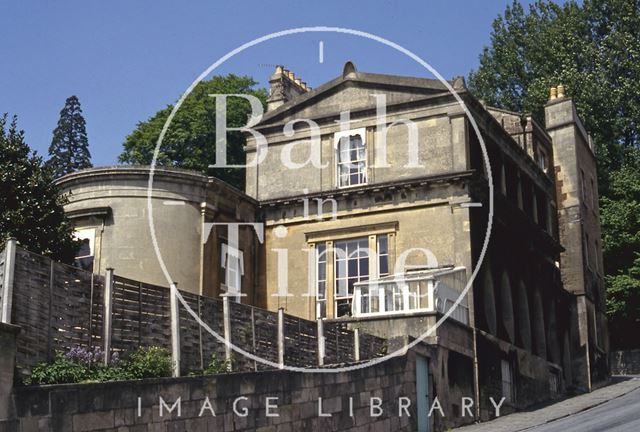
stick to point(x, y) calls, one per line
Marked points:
point(383, 245)
point(364, 304)
point(353, 267)
point(321, 309)
point(322, 271)
point(343, 308)
point(384, 265)
point(364, 266)
point(352, 281)
point(341, 288)
point(375, 302)
point(322, 288)
point(351, 160)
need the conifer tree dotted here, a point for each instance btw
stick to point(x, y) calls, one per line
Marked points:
point(69, 149)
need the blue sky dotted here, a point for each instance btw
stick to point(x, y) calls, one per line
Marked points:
point(127, 59)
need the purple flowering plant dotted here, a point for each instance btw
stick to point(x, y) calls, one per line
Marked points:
point(81, 364)
point(90, 356)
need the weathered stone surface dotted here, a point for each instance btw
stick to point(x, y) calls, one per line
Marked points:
point(84, 407)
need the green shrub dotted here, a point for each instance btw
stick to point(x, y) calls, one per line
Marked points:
point(59, 371)
point(215, 367)
point(81, 365)
point(102, 373)
point(150, 362)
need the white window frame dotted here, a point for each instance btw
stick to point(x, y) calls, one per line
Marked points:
point(86, 234)
point(338, 136)
point(414, 293)
point(233, 270)
point(336, 268)
point(395, 297)
point(380, 256)
point(321, 258)
point(331, 281)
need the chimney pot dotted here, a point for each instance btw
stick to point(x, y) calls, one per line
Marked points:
point(292, 76)
point(561, 91)
point(553, 94)
point(279, 69)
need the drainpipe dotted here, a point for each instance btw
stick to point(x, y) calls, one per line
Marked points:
point(476, 375)
point(476, 372)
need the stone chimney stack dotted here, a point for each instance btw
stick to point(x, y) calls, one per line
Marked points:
point(283, 87)
point(579, 233)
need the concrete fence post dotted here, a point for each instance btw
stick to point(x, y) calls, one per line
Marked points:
point(7, 280)
point(320, 341)
point(356, 344)
point(281, 338)
point(107, 300)
point(175, 329)
point(226, 321)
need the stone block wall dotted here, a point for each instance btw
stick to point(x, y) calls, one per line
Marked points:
point(136, 405)
point(531, 376)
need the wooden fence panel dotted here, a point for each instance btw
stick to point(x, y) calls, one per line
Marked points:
point(300, 342)
point(211, 315)
point(155, 316)
point(141, 315)
point(59, 307)
point(307, 340)
point(70, 297)
point(266, 337)
point(97, 311)
point(126, 316)
point(190, 335)
point(31, 308)
point(242, 335)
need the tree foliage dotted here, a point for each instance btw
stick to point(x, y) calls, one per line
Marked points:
point(30, 206)
point(593, 49)
point(69, 149)
point(190, 140)
point(620, 213)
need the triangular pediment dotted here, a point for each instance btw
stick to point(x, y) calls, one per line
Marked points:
point(354, 92)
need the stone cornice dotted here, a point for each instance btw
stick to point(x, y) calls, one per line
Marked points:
point(371, 188)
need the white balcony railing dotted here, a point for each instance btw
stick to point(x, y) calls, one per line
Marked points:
point(415, 291)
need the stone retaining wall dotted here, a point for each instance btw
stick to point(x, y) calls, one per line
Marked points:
point(136, 405)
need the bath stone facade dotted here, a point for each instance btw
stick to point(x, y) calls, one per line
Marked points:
point(532, 325)
point(109, 207)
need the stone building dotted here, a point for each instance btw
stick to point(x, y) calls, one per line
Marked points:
point(109, 208)
point(413, 187)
